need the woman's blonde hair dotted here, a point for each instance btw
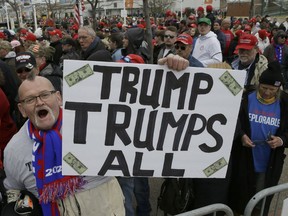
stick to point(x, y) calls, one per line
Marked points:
point(40, 51)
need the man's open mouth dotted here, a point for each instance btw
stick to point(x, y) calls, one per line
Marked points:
point(42, 113)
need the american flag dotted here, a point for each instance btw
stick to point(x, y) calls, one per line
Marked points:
point(78, 13)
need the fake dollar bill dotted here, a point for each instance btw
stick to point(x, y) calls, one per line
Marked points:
point(229, 81)
point(78, 75)
point(219, 164)
point(76, 164)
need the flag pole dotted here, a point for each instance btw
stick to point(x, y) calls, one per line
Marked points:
point(124, 8)
point(80, 13)
point(35, 17)
point(7, 16)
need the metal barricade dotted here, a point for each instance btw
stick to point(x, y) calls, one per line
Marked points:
point(214, 208)
point(262, 195)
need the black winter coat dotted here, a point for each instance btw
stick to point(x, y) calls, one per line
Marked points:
point(242, 184)
point(95, 46)
point(58, 52)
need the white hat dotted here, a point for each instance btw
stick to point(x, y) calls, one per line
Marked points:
point(15, 43)
point(39, 33)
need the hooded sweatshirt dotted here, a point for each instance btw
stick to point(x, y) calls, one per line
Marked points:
point(207, 49)
point(136, 39)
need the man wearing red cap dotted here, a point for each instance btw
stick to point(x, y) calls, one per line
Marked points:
point(255, 26)
point(74, 31)
point(169, 18)
point(119, 26)
point(247, 29)
point(263, 40)
point(225, 28)
point(28, 40)
point(200, 13)
point(249, 59)
point(183, 46)
point(210, 15)
point(55, 41)
point(236, 26)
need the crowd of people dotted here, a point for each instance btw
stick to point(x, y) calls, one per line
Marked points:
point(31, 76)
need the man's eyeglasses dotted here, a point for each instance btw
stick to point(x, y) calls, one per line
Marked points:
point(82, 37)
point(44, 96)
point(180, 47)
point(169, 36)
point(283, 36)
point(23, 70)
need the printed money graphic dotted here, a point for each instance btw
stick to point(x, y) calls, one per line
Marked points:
point(229, 81)
point(78, 75)
point(76, 164)
point(219, 164)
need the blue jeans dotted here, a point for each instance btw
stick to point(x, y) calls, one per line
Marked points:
point(142, 195)
point(127, 186)
point(140, 187)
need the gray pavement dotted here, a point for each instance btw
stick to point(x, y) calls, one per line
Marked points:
point(155, 186)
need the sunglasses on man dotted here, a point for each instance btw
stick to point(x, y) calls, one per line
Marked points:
point(180, 47)
point(23, 70)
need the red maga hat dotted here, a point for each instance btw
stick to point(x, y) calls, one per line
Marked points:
point(192, 25)
point(132, 58)
point(29, 37)
point(56, 32)
point(185, 39)
point(263, 34)
point(247, 42)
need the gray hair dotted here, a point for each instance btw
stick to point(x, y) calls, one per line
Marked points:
point(89, 30)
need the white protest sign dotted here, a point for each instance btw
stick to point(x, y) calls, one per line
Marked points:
point(122, 119)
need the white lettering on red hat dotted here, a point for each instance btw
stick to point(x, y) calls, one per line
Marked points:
point(245, 41)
